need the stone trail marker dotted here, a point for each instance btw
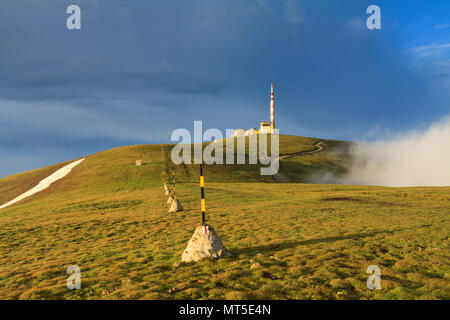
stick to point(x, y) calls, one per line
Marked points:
point(175, 206)
point(205, 243)
point(166, 189)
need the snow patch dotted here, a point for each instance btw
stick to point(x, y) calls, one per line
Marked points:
point(45, 183)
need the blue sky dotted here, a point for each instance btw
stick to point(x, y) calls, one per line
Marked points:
point(139, 69)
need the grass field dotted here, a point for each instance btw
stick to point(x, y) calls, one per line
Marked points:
point(288, 240)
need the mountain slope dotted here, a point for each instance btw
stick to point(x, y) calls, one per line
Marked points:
point(114, 170)
point(110, 218)
point(14, 185)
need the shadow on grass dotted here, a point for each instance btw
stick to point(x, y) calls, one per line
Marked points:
point(292, 244)
point(366, 201)
point(402, 282)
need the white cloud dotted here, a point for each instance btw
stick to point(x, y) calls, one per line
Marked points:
point(356, 23)
point(292, 11)
point(432, 59)
point(263, 3)
point(442, 26)
point(419, 158)
point(432, 50)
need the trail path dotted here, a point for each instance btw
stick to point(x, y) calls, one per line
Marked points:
point(281, 178)
point(318, 148)
point(45, 183)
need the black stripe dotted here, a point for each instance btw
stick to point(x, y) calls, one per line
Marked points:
point(202, 193)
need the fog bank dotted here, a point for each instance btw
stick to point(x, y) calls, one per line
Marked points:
point(418, 158)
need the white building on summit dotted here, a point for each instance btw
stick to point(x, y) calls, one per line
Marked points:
point(251, 131)
point(267, 127)
point(239, 132)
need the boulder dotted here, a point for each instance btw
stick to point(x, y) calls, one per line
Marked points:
point(175, 206)
point(166, 189)
point(205, 243)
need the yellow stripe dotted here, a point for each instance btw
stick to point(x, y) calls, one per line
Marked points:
point(203, 205)
point(202, 181)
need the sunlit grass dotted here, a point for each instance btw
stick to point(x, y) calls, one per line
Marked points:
point(310, 241)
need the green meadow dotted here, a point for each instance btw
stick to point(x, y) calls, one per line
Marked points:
point(290, 240)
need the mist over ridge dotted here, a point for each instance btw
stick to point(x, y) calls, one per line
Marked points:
point(417, 158)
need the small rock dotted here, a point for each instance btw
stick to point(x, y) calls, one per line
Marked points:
point(105, 292)
point(172, 290)
point(340, 293)
point(255, 265)
point(126, 282)
point(176, 265)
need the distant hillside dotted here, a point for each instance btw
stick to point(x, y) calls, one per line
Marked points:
point(115, 169)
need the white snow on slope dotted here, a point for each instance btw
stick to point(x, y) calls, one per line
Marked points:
point(45, 183)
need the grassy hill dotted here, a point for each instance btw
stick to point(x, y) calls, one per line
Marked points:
point(305, 241)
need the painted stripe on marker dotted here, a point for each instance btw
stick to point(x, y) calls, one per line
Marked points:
point(202, 193)
point(203, 205)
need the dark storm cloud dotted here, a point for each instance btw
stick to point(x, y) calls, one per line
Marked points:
point(139, 69)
